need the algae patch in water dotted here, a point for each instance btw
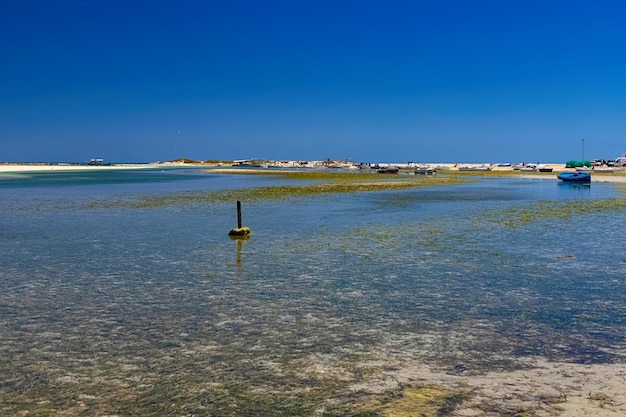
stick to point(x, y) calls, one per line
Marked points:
point(550, 210)
point(423, 401)
point(321, 184)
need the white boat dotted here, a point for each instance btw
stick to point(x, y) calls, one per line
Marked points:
point(425, 171)
point(484, 167)
point(604, 170)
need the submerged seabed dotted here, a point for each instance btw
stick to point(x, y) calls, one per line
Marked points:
point(130, 311)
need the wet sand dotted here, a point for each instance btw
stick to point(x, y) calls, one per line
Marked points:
point(545, 389)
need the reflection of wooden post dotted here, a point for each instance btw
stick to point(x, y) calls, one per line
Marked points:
point(239, 246)
point(239, 214)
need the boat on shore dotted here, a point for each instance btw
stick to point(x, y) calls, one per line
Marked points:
point(388, 170)
point(604, 170)
point(577, 176)
point(484, 167)
point(528, 168)
point(425, 171)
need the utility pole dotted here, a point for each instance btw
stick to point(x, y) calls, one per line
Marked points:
point(583, 139)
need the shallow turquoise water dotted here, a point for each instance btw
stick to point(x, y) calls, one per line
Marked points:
point(338, 273)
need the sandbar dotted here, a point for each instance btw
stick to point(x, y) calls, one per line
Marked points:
point(34, 167)
point(618, 176)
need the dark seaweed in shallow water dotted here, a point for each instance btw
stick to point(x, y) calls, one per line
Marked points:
point(128, 312)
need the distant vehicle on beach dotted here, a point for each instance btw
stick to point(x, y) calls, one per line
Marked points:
point(98, 162)
point(620, 162)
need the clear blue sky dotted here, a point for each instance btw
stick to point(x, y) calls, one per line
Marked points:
point(429, 81)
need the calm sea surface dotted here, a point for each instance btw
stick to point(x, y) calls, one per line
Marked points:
point(90, 292)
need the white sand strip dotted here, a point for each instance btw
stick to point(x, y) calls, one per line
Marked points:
point(62, 167)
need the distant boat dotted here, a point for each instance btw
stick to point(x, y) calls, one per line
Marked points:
point(604, 170)
point(425, 171)
point(529, 168)
point(484, 167)
point(388, 170)
point(577, 176)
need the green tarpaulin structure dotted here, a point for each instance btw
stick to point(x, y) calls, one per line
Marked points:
point(576, 164)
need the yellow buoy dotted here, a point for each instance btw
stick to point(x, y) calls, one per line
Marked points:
point(240, 231)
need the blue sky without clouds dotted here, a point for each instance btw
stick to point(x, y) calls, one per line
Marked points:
point(431, 81)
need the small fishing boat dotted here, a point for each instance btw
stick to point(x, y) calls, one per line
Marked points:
point(529, 168)
point(484, 167)
point(425, 171)
point(577, 176)
point(388, 170)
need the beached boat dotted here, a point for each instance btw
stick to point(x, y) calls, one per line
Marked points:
point(577, 176)
point(604, 170)
point(484, 167)
point(388, 170)
point(519, 166)
point(425, 171)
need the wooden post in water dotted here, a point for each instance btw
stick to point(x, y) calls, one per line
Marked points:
point(238, 214)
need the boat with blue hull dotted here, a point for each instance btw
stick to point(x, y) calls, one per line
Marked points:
point(577, 176)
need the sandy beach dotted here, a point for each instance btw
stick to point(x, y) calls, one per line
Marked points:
point(35, 167)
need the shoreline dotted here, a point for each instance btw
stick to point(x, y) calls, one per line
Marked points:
point(38, 167)
point(618, 176)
